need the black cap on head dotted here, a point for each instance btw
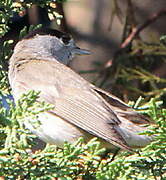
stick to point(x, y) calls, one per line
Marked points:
point(52, 32)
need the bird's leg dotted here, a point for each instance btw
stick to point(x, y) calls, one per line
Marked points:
point(114, 154)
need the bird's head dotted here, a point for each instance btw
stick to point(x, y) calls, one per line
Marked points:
point(51, 43)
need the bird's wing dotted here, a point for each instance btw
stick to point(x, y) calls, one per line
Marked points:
point(74, 99)
point(122, 109)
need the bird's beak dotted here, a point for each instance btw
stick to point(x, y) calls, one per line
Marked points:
point(79, 51)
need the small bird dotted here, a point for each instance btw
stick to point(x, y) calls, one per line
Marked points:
point(39, 63)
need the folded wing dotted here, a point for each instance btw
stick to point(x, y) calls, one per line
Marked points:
point(76, 101)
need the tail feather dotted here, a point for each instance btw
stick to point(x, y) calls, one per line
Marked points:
point(122, 109)
point(132, 122)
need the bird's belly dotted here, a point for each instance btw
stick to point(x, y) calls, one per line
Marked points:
point(54, 130)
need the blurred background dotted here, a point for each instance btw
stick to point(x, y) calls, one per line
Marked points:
point(127, 64)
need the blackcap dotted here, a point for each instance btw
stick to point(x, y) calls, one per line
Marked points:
point(81, 109)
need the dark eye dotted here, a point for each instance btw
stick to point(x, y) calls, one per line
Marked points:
point(66, 39)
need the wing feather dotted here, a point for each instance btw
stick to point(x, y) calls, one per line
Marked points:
point(122, 109)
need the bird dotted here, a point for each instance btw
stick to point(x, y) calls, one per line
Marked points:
point(39, 62)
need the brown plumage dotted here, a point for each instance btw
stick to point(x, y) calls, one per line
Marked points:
point(81, 109)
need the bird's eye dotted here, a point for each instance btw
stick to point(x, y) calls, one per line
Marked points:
point(65, 39)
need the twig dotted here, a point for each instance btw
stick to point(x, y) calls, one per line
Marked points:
point(60, 10)
point(135, 32)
